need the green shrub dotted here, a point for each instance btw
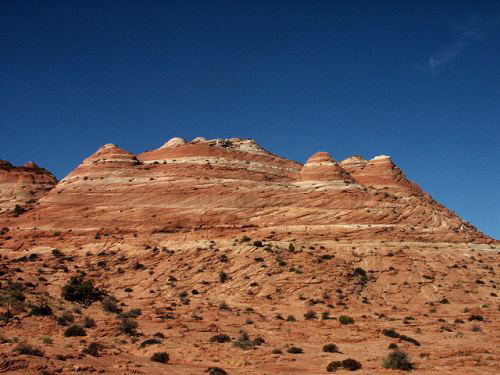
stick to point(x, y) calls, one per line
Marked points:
point(129, 326)
point(344, 319)
point(149, 342)
point(94, 349)
point(75, 330)
point(223, 277)
point(57, 253)
point(47, 340)
point(398, 360)
point(221, 338)
point(42, 309)
point(257, 243)
point(161, 357)
point(28, 349)
point(109, 304)
point(78, 290)
point(330, 348)
point(88, 322)
point(351, 364)
point(295, 350)
point(333, 366)
point(310, 315)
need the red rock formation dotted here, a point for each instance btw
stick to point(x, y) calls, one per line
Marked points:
point(321, 167)
point(21, 187)
point(218, 187)
point(381, 173)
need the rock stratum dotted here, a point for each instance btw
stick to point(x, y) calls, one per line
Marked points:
point(234, 260)
point(22, 187)
point(218, 187)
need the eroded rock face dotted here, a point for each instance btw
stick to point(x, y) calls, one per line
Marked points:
point(218, 187)
point(22, 187)
point(322, 167)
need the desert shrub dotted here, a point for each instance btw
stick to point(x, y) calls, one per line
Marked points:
point(291, 318)
point(330, 348)
point(223, 277)
point(310, 315)
point(159, 335)
point(409, 339)
point(161, 357)
point(221, 338)
point(47, 340)
point(224, 306)
point(476, 328)
point(94, 349)
point(139, 266)
point(109, 304)
point(351, 364)
point(397, 360)
point(333, 366)
point(392, 346)
point(65, 318)
point(295, 350)
point(42, 309)
point(75, 330)
point(57, 253)
point(28, 349)
point(128, 326)
point(133, 313)
point(245, 239)
point(78, 290)
point(88, 322)
point(216, 371)
point(479, 318)
point(149, 342)
point(291, 248)
point(390, 332)
point(244, 342)
point(344, 319)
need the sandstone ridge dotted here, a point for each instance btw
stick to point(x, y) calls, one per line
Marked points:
point(217, 187)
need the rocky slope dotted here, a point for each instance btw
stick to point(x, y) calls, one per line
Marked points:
point(226, 256)
point(22, 187)
point(208, 188)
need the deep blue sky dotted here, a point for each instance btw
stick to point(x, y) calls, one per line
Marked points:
point(416, 80)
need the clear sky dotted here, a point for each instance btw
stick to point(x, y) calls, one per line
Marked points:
point(417, 80)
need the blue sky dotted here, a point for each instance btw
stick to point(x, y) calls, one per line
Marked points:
point(417, 80)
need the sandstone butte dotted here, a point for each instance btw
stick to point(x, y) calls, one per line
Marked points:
point(221, 237)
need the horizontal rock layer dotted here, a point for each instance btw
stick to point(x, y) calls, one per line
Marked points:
point(219, 187)
point(21, 187)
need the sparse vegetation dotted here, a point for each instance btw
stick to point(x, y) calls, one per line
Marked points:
point(94, 349)
point(221, 338)
point(161, 357)
point(149, 342)
point(397, 360)
point(129, 326)
point(28, 349)
point(81, 291)
point(75, 330)
point(344, 319)
point(330, 348)
point(351, 364)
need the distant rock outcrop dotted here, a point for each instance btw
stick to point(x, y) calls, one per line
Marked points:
point(22, 187)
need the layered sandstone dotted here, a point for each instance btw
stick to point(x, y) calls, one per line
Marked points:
point(21, 187)
point(221, 237)
point(217, 187)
